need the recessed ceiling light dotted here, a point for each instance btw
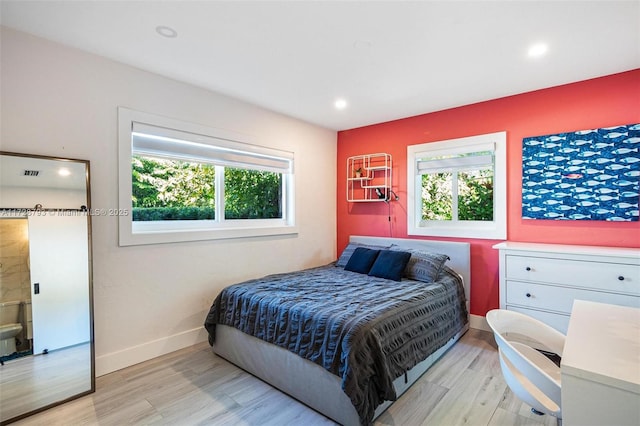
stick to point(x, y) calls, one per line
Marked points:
point(165, 31)
point(340, 103)
point(362, 44)
point(537, 50)
point(64, 172)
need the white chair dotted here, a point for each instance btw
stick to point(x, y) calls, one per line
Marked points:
point(530, 375)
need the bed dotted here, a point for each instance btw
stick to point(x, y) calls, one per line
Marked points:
point(359, 351)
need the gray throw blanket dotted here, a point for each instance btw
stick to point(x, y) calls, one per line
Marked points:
point(366, 330)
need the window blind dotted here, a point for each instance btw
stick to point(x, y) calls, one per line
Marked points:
point(162, 142)
point(478, 158)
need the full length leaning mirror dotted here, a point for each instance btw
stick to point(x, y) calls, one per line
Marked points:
point(46, 309)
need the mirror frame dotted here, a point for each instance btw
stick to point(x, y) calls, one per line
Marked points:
point(92, 388)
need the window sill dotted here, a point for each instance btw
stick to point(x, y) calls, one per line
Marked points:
point(129, 238)
point(490, 231)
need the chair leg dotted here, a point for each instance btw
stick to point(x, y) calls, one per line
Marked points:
point(534, 411)
point(539, 413)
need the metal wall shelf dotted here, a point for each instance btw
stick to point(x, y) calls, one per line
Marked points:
point(373, 181)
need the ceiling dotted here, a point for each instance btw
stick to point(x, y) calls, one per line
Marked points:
point(386, 59)
point(33, 172)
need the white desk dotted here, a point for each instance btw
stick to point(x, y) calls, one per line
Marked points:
point(601, 366)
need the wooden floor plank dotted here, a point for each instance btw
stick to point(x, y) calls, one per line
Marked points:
point(413, 407)
point(36, 381)
point(472, 400)
point(193, 386)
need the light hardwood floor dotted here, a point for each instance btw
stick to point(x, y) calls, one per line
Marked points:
point(31, 382)
point(194, 386)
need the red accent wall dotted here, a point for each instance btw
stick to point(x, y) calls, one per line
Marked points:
point(601, 102)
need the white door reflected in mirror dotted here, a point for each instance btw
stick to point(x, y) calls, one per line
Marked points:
point(59, 265)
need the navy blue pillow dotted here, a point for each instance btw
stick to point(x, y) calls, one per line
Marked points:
point(361, 260)
point(390, 264)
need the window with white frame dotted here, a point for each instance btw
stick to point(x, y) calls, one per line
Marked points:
point(457, 187)
point(186, 182)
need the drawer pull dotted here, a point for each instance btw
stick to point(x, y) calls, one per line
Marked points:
point(528, 268)
point(528, 294)
point(621, 278)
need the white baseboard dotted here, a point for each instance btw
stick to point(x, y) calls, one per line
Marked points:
point(479, 322)
point(117, 360)
point(127, 357)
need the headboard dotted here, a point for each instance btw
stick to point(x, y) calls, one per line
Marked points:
point(459, 254)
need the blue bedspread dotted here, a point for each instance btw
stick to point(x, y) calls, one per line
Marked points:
point(366, 330)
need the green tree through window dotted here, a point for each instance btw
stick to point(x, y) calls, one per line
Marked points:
point(178, 190)
point(458, 195)
point(475, 195)
point(252, 194)
point(437, 200)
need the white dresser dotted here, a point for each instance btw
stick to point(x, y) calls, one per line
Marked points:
point(543, 280)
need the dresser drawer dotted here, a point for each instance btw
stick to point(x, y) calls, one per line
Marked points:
point(611, 277)
point(560, 299)
point(558, 321)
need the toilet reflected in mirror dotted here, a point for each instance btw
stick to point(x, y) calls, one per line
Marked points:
point(10, 327)
point(46, 334)
point(15, 285)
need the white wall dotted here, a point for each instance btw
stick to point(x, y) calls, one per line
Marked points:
point(149, 300)
point(20, 197)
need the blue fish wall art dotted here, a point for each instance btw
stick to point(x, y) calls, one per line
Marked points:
point(585, 175)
